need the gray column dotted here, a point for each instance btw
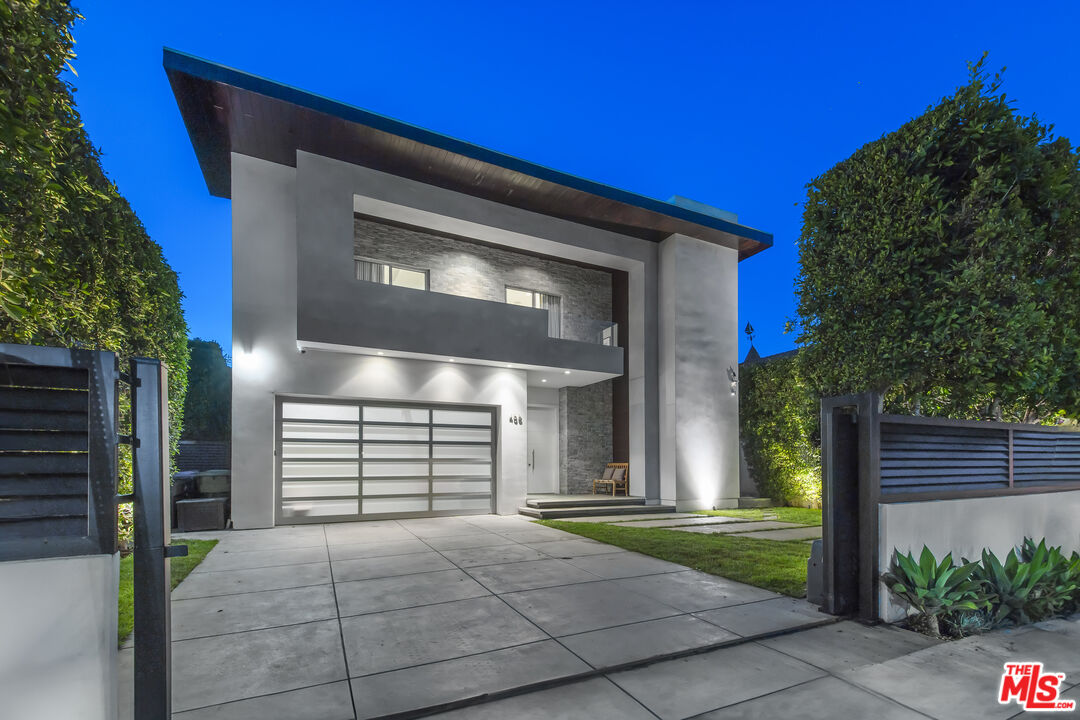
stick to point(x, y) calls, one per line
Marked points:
point(699, 408)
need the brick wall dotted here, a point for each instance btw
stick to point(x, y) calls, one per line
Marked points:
point(468, 269)
point(584, 435)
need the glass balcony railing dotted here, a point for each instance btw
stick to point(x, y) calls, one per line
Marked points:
point(601, 332)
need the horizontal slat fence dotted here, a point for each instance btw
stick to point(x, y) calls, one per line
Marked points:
point(44, 467)
point(871, 460)
point(934, 455)
point(57, 451)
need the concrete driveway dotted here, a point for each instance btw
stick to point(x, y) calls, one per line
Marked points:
point(363, 620)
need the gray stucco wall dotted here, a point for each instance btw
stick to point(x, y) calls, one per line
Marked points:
point(482, 272)
point(699, 409)
point(584, 435)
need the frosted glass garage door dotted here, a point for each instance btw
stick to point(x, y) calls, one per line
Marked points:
point(351, 460)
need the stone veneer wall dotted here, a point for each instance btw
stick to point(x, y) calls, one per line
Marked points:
point(468, 269)
point(584, 435)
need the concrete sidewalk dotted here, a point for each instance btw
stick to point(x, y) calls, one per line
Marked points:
point(845, 670)
point(368, 619)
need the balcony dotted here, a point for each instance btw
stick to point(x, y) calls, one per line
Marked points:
point(374, 315)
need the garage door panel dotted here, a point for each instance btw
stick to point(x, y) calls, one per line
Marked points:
point(470, 469)
point(461, 503)
point(420, 450)
point(347, 460)
point(461, 486)
point(461, 417)
point(396, 415)
point(300, 469)
point(463, 452)
point(395, 469)
point(417, 505)
point(319, 450)
point(319, 411)
point(319, 431)
point(319, 488)
point(396, 487)
point(452, 435)
point(298, 509)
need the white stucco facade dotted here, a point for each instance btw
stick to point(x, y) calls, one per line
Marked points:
point(682, 313)
point(58, 637)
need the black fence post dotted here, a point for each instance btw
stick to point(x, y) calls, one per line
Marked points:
point(850, 466)
point(150, 439)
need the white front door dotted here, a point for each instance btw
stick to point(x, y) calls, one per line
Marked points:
point(543, 431)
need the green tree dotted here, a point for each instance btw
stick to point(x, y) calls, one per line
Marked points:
point(940, 264)
point(208, 404)
point(77, 267)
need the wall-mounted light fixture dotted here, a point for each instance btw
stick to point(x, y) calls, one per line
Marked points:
point(733, 378)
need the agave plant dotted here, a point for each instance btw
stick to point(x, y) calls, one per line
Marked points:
point(932, 590)
point(1014, 586)
point(1059, 590)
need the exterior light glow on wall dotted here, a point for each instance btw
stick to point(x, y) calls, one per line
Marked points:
point(565, 372)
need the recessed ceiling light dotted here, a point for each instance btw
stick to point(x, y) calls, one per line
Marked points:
point(380, 353)
point(565, 372)
point(450, 359)
point(509, 366)
point(543, 379)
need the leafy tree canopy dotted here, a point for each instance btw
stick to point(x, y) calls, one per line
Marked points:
point(940, 264)
point(77, 267)
point(207, 407)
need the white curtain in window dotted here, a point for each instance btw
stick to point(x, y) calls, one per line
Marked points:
point(370, 271)
point(551, 304)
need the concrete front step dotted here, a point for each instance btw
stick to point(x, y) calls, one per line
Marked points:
point(557, 513)
point(594, 501)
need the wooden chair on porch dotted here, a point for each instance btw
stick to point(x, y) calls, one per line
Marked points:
point(617, 475)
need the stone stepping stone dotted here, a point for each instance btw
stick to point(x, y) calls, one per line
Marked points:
point(685, 520)
point(742, 527)
point(800, 533)
point(625, 520)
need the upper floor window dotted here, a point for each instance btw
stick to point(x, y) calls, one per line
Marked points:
point(540, 301)
point(390, 274)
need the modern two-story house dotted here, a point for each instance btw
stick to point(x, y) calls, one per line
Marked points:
point(422, 326)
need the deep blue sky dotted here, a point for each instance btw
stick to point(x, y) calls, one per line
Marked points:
point(733, 104)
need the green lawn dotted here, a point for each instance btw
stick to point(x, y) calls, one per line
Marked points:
point(179, 567)
point(802, 516)
point(769, 564)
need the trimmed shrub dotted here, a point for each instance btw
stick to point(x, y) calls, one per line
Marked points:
point(780, 430)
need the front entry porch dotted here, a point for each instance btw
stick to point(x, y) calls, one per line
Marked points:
point(554, 507)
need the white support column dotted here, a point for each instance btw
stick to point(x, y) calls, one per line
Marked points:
point(699, 408)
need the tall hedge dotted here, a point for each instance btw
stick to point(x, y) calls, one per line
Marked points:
point(77, 267)
point(779, 429)
point(940, 264)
